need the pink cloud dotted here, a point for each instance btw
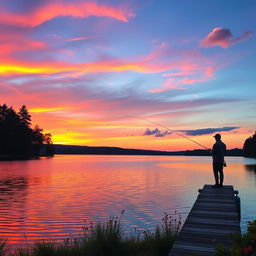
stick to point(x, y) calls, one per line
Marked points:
point(78, 110)
point(223, 37)
point(176, 74)
point(80, 102)
point(169, 84)
point(55, 9)
point(152, 63)
point(189, 69)
point(189, 81)
point(201, 75)
point(81, 38)
point(183, 69)
point(11, 43)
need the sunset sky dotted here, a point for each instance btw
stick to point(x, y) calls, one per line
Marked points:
point(105, 73)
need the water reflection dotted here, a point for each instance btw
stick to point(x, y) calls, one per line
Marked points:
point(53, 197)
point(251, 173)
point(11, 187)
point(251, 167)
point(13, 194)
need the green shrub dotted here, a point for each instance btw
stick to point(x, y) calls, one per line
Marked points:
point(243, 244)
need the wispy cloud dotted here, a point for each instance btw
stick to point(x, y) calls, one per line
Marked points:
point(45, 110)
point(169, 84)
point(53, 9)
point(156, 132)
point(204, 131)
point(157, 61)
point(196, 132)
point(11, 43)
point(223, 37)
point(81, 38)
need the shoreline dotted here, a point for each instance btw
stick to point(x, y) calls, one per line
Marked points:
point(87, 150)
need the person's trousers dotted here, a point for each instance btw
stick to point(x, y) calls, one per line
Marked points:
point(218, 173)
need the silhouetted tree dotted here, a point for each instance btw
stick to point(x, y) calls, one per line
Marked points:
point(37, 139)
point(17, 138)
point(3, 112)
point(49, 144)
point(25, 117)
point(9, 127)
point(250, 146)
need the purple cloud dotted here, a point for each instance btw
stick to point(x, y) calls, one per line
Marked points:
point(156, 132)
point(204, 131)
point(223, 37)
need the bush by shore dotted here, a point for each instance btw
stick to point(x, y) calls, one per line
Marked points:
point(243, 244)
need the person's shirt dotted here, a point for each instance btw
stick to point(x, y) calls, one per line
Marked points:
point(218, 152)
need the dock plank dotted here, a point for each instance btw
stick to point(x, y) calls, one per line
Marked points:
point(212, 218)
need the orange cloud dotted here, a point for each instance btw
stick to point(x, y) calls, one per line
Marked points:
point(43, 110)
point(188, 70)
point(55, 9)
point(8, 69)
point(14, 67)
point(72, 138)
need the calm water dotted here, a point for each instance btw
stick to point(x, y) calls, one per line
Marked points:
point(53, 197)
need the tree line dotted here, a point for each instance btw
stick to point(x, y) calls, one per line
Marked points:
point(250, 146)
point(17, 138)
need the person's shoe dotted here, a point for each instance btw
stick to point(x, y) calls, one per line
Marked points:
point(221, 186)
point(215, 186)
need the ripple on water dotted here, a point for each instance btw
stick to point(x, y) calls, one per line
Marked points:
point(54, 198)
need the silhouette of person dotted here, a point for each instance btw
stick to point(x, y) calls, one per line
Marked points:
point(218, 162)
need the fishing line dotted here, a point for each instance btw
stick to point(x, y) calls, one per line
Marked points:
point(173, 131)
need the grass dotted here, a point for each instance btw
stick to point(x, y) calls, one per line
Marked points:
point(107, 239)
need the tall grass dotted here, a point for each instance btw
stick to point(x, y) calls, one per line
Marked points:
point(108, 238)
point(3, 244)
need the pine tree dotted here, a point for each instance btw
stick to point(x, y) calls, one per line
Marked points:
point(25, 117)
point(3, 112)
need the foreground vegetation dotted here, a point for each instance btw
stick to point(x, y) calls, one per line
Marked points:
point(106, 239)
point(243, 244)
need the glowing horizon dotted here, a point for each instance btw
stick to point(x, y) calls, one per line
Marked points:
point(91, 72)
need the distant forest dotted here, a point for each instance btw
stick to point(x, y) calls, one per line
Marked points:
point(17, 139)
point(250, 146)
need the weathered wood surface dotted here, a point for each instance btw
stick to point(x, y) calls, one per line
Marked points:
point(212, 218)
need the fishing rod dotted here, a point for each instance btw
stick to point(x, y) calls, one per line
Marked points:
point(173, 131)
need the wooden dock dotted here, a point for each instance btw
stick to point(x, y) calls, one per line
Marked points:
point(213, 216)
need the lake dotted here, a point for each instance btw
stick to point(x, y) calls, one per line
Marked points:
point(55, 197)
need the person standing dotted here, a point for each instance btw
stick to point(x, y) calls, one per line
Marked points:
point(218, 162)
